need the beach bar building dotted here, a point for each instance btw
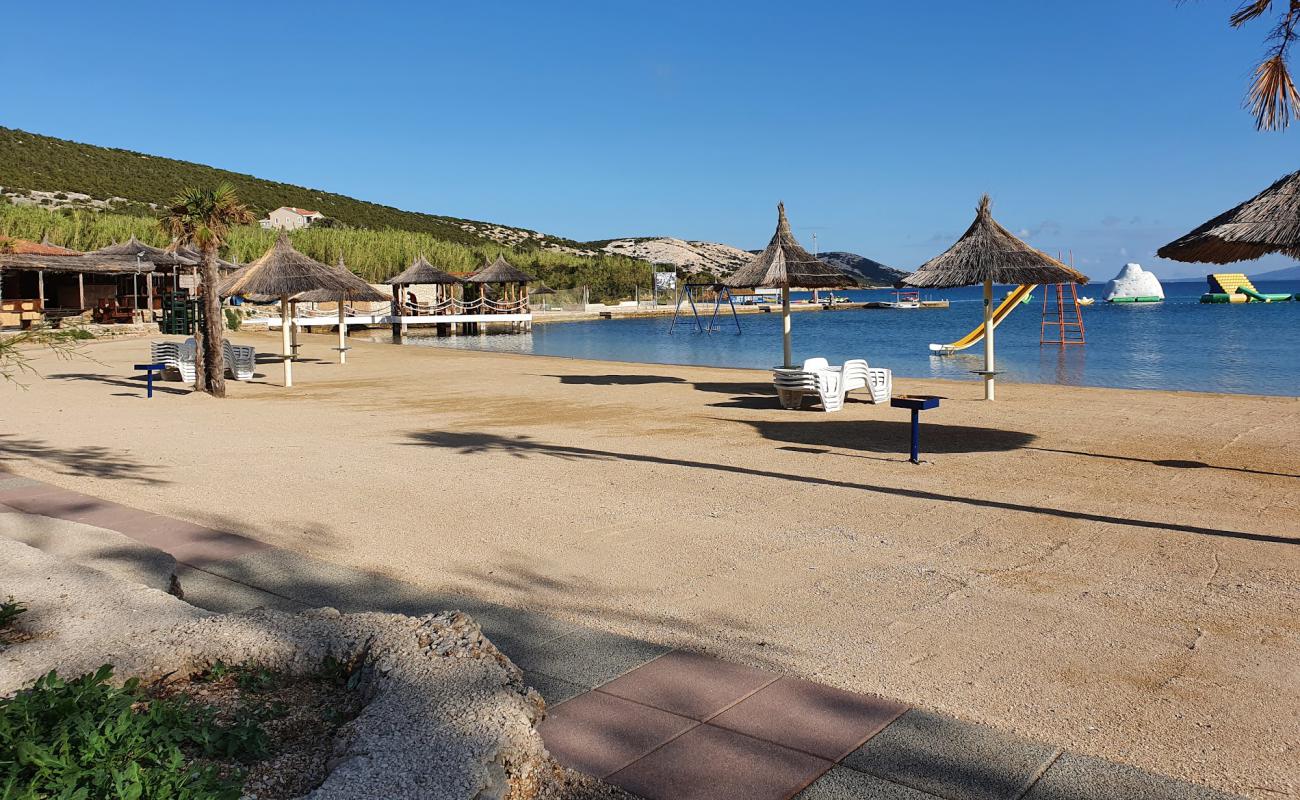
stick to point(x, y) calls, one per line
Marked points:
point(41, 282)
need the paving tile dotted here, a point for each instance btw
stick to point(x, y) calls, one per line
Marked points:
point(842, 783)
point(811, 717)
point(56, 502)
point(586, 657)
point(32, 489)
point(1075, 777)
point(553, 690)
point(599, 734)
point(10, 482)
point(953, 759)
point(709, 763)
point(690, 684)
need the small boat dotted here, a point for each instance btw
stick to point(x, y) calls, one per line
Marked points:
point(901, 300)
point(1086, 301)
point(1024, 300)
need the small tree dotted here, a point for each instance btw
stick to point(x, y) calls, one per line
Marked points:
point(201, 219)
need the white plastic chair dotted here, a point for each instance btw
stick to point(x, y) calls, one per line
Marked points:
point(240, 360)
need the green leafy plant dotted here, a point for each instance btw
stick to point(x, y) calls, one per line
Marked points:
point(84, 738)
point(9, 611)
point(233, 319)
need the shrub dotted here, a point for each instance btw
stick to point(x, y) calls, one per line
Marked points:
point(233, 319)
point(84, 739)
point(9, 611)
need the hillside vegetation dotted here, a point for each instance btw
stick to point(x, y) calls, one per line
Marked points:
point(373, 254)
point(32, 161)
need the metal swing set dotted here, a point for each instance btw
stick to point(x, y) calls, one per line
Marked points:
point(721, 293)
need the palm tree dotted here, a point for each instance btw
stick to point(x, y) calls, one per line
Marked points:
point(201, 218)
point(1272, 98)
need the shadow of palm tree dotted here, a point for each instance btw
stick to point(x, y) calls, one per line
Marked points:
point(524, 447)
point(91, 461)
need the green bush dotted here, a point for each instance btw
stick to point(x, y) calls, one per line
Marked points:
point(9, 611)
point(233, 319)
point(84, 738)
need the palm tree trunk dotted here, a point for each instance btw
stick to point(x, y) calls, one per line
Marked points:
point(214, 362)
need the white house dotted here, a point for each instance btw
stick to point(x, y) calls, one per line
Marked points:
point(286, 218)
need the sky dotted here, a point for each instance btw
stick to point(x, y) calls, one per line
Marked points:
point(1101, 129)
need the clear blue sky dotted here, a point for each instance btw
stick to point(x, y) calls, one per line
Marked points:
point(1104, 127)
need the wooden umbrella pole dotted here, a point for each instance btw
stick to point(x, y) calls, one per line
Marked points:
point(785, 326)
point(284, 340)
point(343, 333)
point(988, 339)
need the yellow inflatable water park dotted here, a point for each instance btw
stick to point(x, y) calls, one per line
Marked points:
point(1235, 287)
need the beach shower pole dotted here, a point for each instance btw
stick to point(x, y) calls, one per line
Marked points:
point(785, 325)
point(988, 338)
point(284, 340)
point(343, 332)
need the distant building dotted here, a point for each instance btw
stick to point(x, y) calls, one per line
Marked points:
point(286, 218)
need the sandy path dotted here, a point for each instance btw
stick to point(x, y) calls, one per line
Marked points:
point(1114, 571)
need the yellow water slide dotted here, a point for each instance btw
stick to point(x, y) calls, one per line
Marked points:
point(1008, 304)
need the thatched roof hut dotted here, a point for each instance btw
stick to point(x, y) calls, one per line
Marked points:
point(988, 252)
point(197, 257)
point(1267, 223)
point(422, 273)
point(22, 254)
point(540, 288)
point(785, 264)
point(135, 249)
point(499, 271)
point(284, 272)
point(11, 246)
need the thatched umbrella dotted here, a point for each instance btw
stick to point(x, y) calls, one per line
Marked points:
point(784, 264)
point(359, 291)
point(284, 272)
point(133, 248)
point(420, 273)
point(502, 272)
point(1267, 223)
point(988, 253)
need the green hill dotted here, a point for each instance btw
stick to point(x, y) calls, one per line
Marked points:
point(43, 163)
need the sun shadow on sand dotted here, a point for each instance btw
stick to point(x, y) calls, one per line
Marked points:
point(890, 436)
point(1172, 463)
point(159, 386)
point(524, 447)
point(86, 461)
point(614, 380)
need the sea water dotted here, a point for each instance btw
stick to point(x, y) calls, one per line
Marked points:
point(1178, 344)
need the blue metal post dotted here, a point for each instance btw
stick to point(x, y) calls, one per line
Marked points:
point(916, 436)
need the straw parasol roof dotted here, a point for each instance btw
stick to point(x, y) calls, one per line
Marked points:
point(784, 263)
point(499, 271)
point(988, 251)
point(359, 290)
point(421, 272)
point(540, 288)
point(283, 271)
point(1267, 223)
point(133, 247)
point(194, 255)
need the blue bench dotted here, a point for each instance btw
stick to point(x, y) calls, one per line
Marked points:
point(149, 370)
point(917, 403)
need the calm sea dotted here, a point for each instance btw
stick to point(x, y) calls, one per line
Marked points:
point(1178, 344)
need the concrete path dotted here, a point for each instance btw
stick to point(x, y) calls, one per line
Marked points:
point(661, 723)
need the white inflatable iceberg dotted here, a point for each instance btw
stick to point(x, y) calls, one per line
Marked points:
point(1134, 285)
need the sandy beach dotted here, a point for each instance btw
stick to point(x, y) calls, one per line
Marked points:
point(1116, 572)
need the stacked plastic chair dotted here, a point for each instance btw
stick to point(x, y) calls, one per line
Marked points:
point(240, 360)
